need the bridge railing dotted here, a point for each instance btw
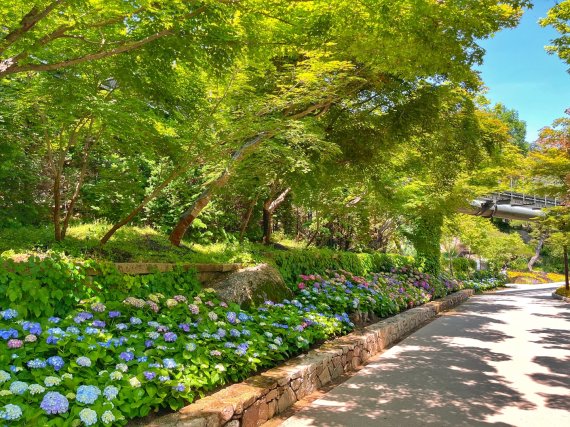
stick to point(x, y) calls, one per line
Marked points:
point(520, 199)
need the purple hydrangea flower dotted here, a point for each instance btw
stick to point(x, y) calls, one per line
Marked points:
point(54, 403)
point(232, 317)
point(113, 314)
point(149, 375)
point(170, 337)
point(179, 388)
point(98, 324)
point(148, 343)
point(185, 327)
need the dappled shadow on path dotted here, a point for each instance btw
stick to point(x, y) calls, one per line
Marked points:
point(459, 370)
point(428, 379)
point(421, 385)
point(553, 338)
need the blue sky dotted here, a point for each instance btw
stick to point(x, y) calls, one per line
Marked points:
point(520, 74)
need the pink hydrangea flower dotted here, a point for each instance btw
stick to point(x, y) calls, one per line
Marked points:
point(13, 343)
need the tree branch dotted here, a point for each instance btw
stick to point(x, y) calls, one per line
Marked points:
point(28, 22)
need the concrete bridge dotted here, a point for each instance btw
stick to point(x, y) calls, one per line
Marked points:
point(510, 205)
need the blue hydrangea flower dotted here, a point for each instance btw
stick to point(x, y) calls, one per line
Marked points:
point(179, 388)
point(122, 326)
point(153, 335)
point(163, 378)
point(36, 364)
point(243, 317)
point(91, 331)
point(184, 326)
point(169, 363)
point(142, 359)
point(9, 314)
point(88, 416)
point(229, 344)
point(32, 327)
point(127, 356)
point(10, 412)
point(87, 394)
point(110, 392)
point(6, 334)
point(107, 417)
point(83, 361)
point(190, 346)
point(135, 321)
point(54, 320)
point(54, 403)
point(235, 333)
point(73, 330)
point(52, 339)
point(113, 314)
point(148, 343)
point(18, 387)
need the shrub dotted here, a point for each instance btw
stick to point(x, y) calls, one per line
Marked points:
point(292, 264)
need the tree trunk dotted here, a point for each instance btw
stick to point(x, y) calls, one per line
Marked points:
point(566, 268)
point(246, 219)
point(536, 255)
point(267, 222)
point(57, 205)
point(269, 208)
point(191, 214)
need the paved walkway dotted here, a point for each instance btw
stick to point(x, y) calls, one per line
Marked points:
point(501, 360)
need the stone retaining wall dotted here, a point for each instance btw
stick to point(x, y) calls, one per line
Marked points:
point(256, 400)
point(206, 272)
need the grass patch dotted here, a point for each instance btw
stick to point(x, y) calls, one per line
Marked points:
point(129, 244)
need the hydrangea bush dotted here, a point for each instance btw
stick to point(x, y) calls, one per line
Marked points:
point(107, 362)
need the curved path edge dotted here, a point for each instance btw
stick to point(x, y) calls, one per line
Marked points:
point(261, 397)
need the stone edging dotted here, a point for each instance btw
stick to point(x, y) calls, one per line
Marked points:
point(259, 398)
point(560, 297)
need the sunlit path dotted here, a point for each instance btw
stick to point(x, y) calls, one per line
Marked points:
point(500, 360)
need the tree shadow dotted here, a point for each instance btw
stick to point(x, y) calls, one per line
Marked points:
point(553, 338)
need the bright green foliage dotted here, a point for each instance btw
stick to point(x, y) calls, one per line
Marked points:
point(559, 18)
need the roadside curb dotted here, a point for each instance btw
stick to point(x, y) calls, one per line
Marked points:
point(261, 397)
point(560, 297)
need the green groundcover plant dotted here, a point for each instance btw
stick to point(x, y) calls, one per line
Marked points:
point(111, 359)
